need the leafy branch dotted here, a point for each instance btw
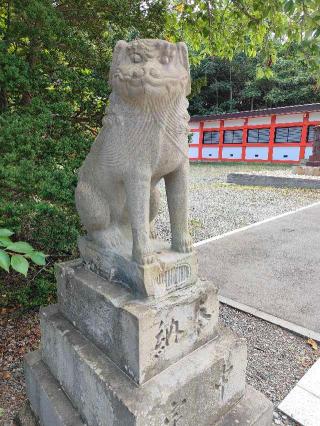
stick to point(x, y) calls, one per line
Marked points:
point(17, 254)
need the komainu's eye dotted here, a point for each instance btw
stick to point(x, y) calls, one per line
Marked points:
point(165, 59)
point(136, 58)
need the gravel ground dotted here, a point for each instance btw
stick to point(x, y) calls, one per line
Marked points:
point(217, 207)
point(277, 358)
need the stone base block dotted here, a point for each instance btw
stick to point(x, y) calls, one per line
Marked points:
point(49, 403)
point(197, 390)
point(313, 161)
point(26, 417)
point(141, 336)
point(253, 409)
point(170, 272)
point(306, 170)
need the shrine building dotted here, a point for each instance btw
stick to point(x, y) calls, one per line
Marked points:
point(276, 135)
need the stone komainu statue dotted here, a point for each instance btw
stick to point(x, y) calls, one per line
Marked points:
point(143, 139)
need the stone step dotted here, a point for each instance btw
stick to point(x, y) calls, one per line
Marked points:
point(142, 336)
point(197, 390)
point(49, 403)
point(253, 409)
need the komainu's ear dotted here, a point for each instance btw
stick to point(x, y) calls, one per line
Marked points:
point(183, 55)
point(118, 51)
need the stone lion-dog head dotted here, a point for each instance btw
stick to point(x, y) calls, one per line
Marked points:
point(150, 69)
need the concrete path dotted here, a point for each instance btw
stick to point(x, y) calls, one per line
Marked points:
point(270, 269)
point(302, 404)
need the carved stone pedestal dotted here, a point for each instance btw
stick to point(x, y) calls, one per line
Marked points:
point(109, 357)
point(169, 272)
point(311, 167)
point(303, 169)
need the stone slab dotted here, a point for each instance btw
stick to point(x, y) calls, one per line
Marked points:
point(303, 402)
point(141, 336)
point(302, 406)
point(306, 170)
point(275, 181)
point(26, 417)
point(198, 389)
point(311, 380)
point(253, 409)
point(171, 271)
point(48, 401)
point(273, 266)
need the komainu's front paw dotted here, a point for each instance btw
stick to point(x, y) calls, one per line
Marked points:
point(182, 244)
point(153, 233)
point(143, 257)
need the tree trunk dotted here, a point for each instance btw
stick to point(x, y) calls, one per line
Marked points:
point(3, 100)
point(3, 92)
point(32, 59)
point(231, 89)
point(251, 104)
point(217, 94)
point(26, 98)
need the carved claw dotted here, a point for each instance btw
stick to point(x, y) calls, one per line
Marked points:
point(144, 258)
point(148, 259)
point(153, 234)
point(183, 244)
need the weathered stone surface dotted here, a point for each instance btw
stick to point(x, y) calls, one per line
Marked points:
point(169, 272)
point(254, 409)
point(144, 138)
point(48, 401)
point(275, 181)
point(26, 417)
point(314, 159)
point(141, 336)
point(306, 170)
point(198, 389)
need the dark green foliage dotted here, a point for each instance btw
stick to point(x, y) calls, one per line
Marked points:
point(54, 63)
point(240, 84)
point(41, 152)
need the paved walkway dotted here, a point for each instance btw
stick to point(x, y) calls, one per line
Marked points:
point(303, 402)
point(270, 269)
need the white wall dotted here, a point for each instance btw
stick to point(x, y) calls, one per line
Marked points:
point(289, 118)
point(209, 124)
point(314, 116)
point(259, 120)
point(194, 124)
point(234, 123)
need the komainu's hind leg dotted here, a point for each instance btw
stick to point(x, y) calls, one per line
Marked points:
point(93, 211)
point(92, 208)
point(154, 208)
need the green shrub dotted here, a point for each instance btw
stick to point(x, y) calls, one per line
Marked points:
point(17, 255)
point(40, 155)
